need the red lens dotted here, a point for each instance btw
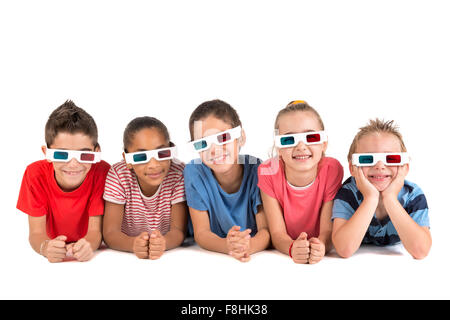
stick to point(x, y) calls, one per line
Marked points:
point(87, 157)
point(313, 138)
point(394, 158)
point(224, 137)
point(164, 154)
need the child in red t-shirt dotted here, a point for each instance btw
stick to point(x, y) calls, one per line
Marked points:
point(63, 194)
point(299, 185)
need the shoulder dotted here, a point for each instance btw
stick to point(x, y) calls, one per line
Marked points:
point(270, 166)
point(38, 169)
point(176, 169)
point(250, 162)
point(101, 168)
point(348, 190)
point(331, 164)
point(412, 188)
point(194, 167)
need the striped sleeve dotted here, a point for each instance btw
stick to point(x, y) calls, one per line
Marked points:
point(417, 207)
point(114, 190)
point(345, 202)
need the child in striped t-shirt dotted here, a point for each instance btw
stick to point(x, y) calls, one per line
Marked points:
point(145, 209)
point(377, 205)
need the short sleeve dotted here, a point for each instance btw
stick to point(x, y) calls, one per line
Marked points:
point(114, 190)
point(344, 205)
point(96, 205)
point(32, 196)
point(178, 193)
point(255, 191)
point(265, 178)
point(192, 183)
point(334, 180)
point(417, 208)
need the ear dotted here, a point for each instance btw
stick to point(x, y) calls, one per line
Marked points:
point(324, 146)
point(44, 151)
point(98, 148)
point(129, 165)
point(242, 139)
point(350, 167)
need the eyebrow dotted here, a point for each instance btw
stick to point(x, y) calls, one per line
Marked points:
point(309, 130)
point(159, 147)
point(82, 149)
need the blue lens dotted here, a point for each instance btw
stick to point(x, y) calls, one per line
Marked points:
point(200, 145)
point(287, 141)
point(140, 157)
point(365, 159)
point(60, 155)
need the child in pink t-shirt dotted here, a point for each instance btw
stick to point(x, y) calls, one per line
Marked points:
point(299, 184)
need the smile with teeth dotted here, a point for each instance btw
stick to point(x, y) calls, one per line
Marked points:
point(301, 157)
point(72, 173)
point(219, 158)
point(379, 177)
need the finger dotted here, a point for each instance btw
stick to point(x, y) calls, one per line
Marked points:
point(61, 238)
point(300, 260)
point(56, 250)
point(316, 246)
point(245, 258)
point(141, 254)
point(80, 244)
point(304, 250)
point(57, 243)
point(300, 244)
point(155, 254)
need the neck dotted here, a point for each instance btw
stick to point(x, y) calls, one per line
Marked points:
point(231, 180)
point(300, 178)
point(146, 189)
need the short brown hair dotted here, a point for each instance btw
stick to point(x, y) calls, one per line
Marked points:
point(219, 109)
point(71, 119)
point(140, 123)
point(376, 126)
point(298, 105)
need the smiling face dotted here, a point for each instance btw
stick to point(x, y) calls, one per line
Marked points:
point(301, 158)
point(70, 175)
point(220, 158)
point(151, 174)
point(379, 175)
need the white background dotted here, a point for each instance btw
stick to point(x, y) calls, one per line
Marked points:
point(351, 60)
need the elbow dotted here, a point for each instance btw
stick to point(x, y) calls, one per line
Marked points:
point(345, 251)
point(420, 251)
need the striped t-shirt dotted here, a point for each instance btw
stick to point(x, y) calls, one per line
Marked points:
point(144, 214)
point(411, 197)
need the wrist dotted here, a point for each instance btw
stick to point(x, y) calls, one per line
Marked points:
point(43, 248)
point(290, 249)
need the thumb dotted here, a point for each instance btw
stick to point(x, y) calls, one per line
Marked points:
point(303, 236)
point(155, 233)
point(61, 238)
point(144, 235)
point(314, 240)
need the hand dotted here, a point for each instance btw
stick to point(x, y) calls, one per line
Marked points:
point(238, 243)
point(55, 250)
point(140, 245)
point(81, 250)
point(317, 250)
point(157, 245)
point(367, 189)
point(397, 184)
point(300, 249)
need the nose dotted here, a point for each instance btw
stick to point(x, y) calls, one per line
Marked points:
point(380, 165)
point(73, 163)
point(300, 146)
point(153, 162)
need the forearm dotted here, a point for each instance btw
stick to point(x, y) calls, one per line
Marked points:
point(117, 240)
point(36, 241)
point(174, 238)
point(94, 238)
point(347, 239)
point(282, 242)
point(260, 241)
point(210, 241)
point(415, 239)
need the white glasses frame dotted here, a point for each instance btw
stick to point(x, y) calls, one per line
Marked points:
point(300, 137)
point(130, 157)
point(235, 133)
point(77, 154)
point(404, 159)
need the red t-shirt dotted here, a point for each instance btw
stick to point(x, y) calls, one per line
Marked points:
point(301, 206)
point(67, 212)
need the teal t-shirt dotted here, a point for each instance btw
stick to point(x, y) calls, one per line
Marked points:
point(225, 210)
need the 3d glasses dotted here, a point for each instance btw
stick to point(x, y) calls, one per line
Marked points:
point(308, 138)
point(145, 156)
point(371, 159)
point(218, 139)
point(67, 155)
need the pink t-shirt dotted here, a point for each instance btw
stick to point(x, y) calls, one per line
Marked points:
point(301, 206)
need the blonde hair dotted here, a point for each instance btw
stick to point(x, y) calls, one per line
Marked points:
point(298, 105)
point(293, 106)
point(376, 126)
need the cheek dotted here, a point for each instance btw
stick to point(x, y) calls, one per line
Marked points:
point(285, 154)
